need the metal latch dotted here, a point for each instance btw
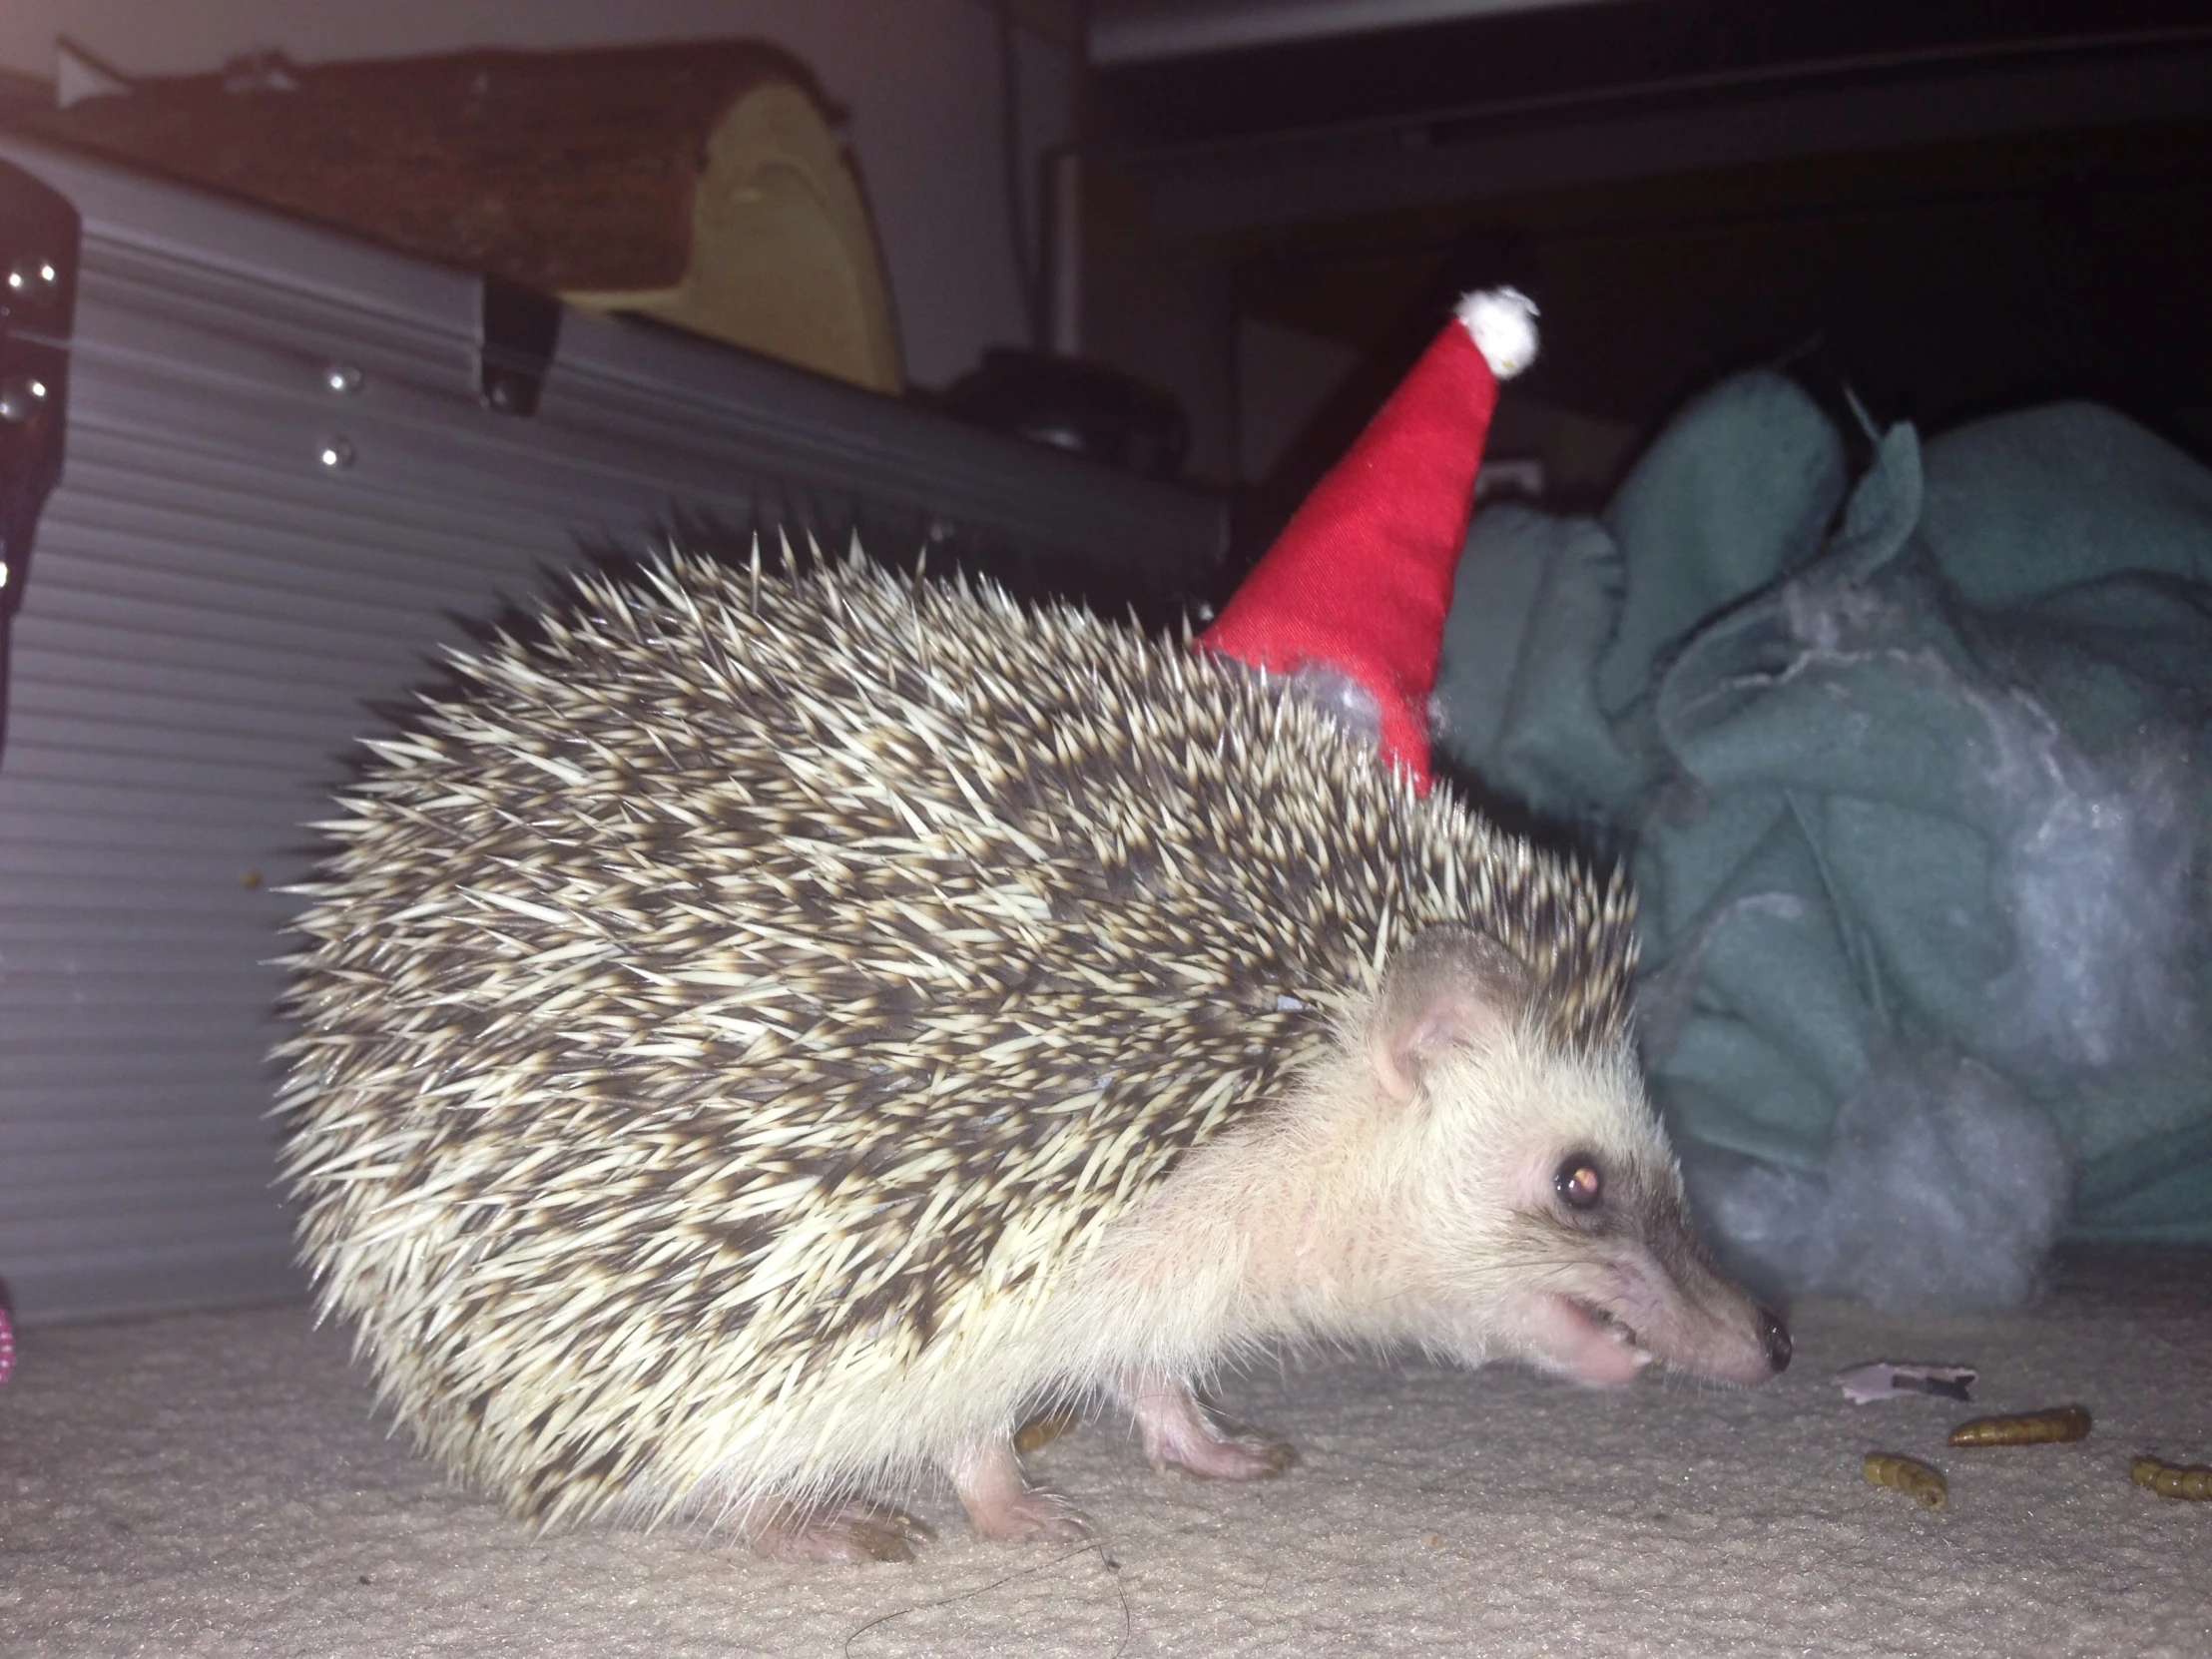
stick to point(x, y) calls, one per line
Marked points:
point(38, 308)
point(520, 327)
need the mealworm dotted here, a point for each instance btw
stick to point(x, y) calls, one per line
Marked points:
point(1925, 1485)
point(2063, 1422)
point(2190, 1481)
point(1043, 1429)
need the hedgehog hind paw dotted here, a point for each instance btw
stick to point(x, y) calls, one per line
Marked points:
point(1243, 1455)
point(1003, 1504)
point(840, 1532)
point(1038, 1515)
point(1179, 1434)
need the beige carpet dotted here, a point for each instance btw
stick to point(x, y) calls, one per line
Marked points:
point(220, 1484)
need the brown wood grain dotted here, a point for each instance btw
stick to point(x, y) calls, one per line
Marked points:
point(559, 170)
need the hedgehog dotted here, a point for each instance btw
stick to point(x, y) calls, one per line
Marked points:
point(779, 1025)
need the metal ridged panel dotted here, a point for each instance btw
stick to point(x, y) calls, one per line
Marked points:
point(210, 614)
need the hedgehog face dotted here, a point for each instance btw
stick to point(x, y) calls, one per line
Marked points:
point(1548, 1204)
point(1613, 1275)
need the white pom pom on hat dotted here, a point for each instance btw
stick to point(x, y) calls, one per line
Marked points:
point(1502, 324)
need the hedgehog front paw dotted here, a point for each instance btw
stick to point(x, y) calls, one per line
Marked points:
point(1178, 1435)
point(842, 1532)
point(1001, 1503)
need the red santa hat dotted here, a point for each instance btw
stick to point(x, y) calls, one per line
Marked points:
point(1356, 588)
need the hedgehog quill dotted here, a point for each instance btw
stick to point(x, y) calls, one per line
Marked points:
point(785, 1026)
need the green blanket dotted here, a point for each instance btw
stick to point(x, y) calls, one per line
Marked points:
point(1912, 774)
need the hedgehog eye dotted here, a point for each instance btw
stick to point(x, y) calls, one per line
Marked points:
point(1579, 1182)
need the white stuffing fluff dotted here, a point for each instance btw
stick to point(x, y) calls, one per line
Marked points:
point(1943, 1181)
point(2093, 874)
point(1941, 1186)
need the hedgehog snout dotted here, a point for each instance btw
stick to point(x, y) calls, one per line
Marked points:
point(1702, 1322)
point(1612, 1278)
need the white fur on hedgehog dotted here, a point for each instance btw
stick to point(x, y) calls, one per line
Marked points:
point(775, 1031)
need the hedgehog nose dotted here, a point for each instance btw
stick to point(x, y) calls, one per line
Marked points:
point(1775, 1339)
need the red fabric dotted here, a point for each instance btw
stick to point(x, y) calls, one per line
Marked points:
point(1360, 578)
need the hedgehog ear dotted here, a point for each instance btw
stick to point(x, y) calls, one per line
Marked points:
point(1452, 986)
